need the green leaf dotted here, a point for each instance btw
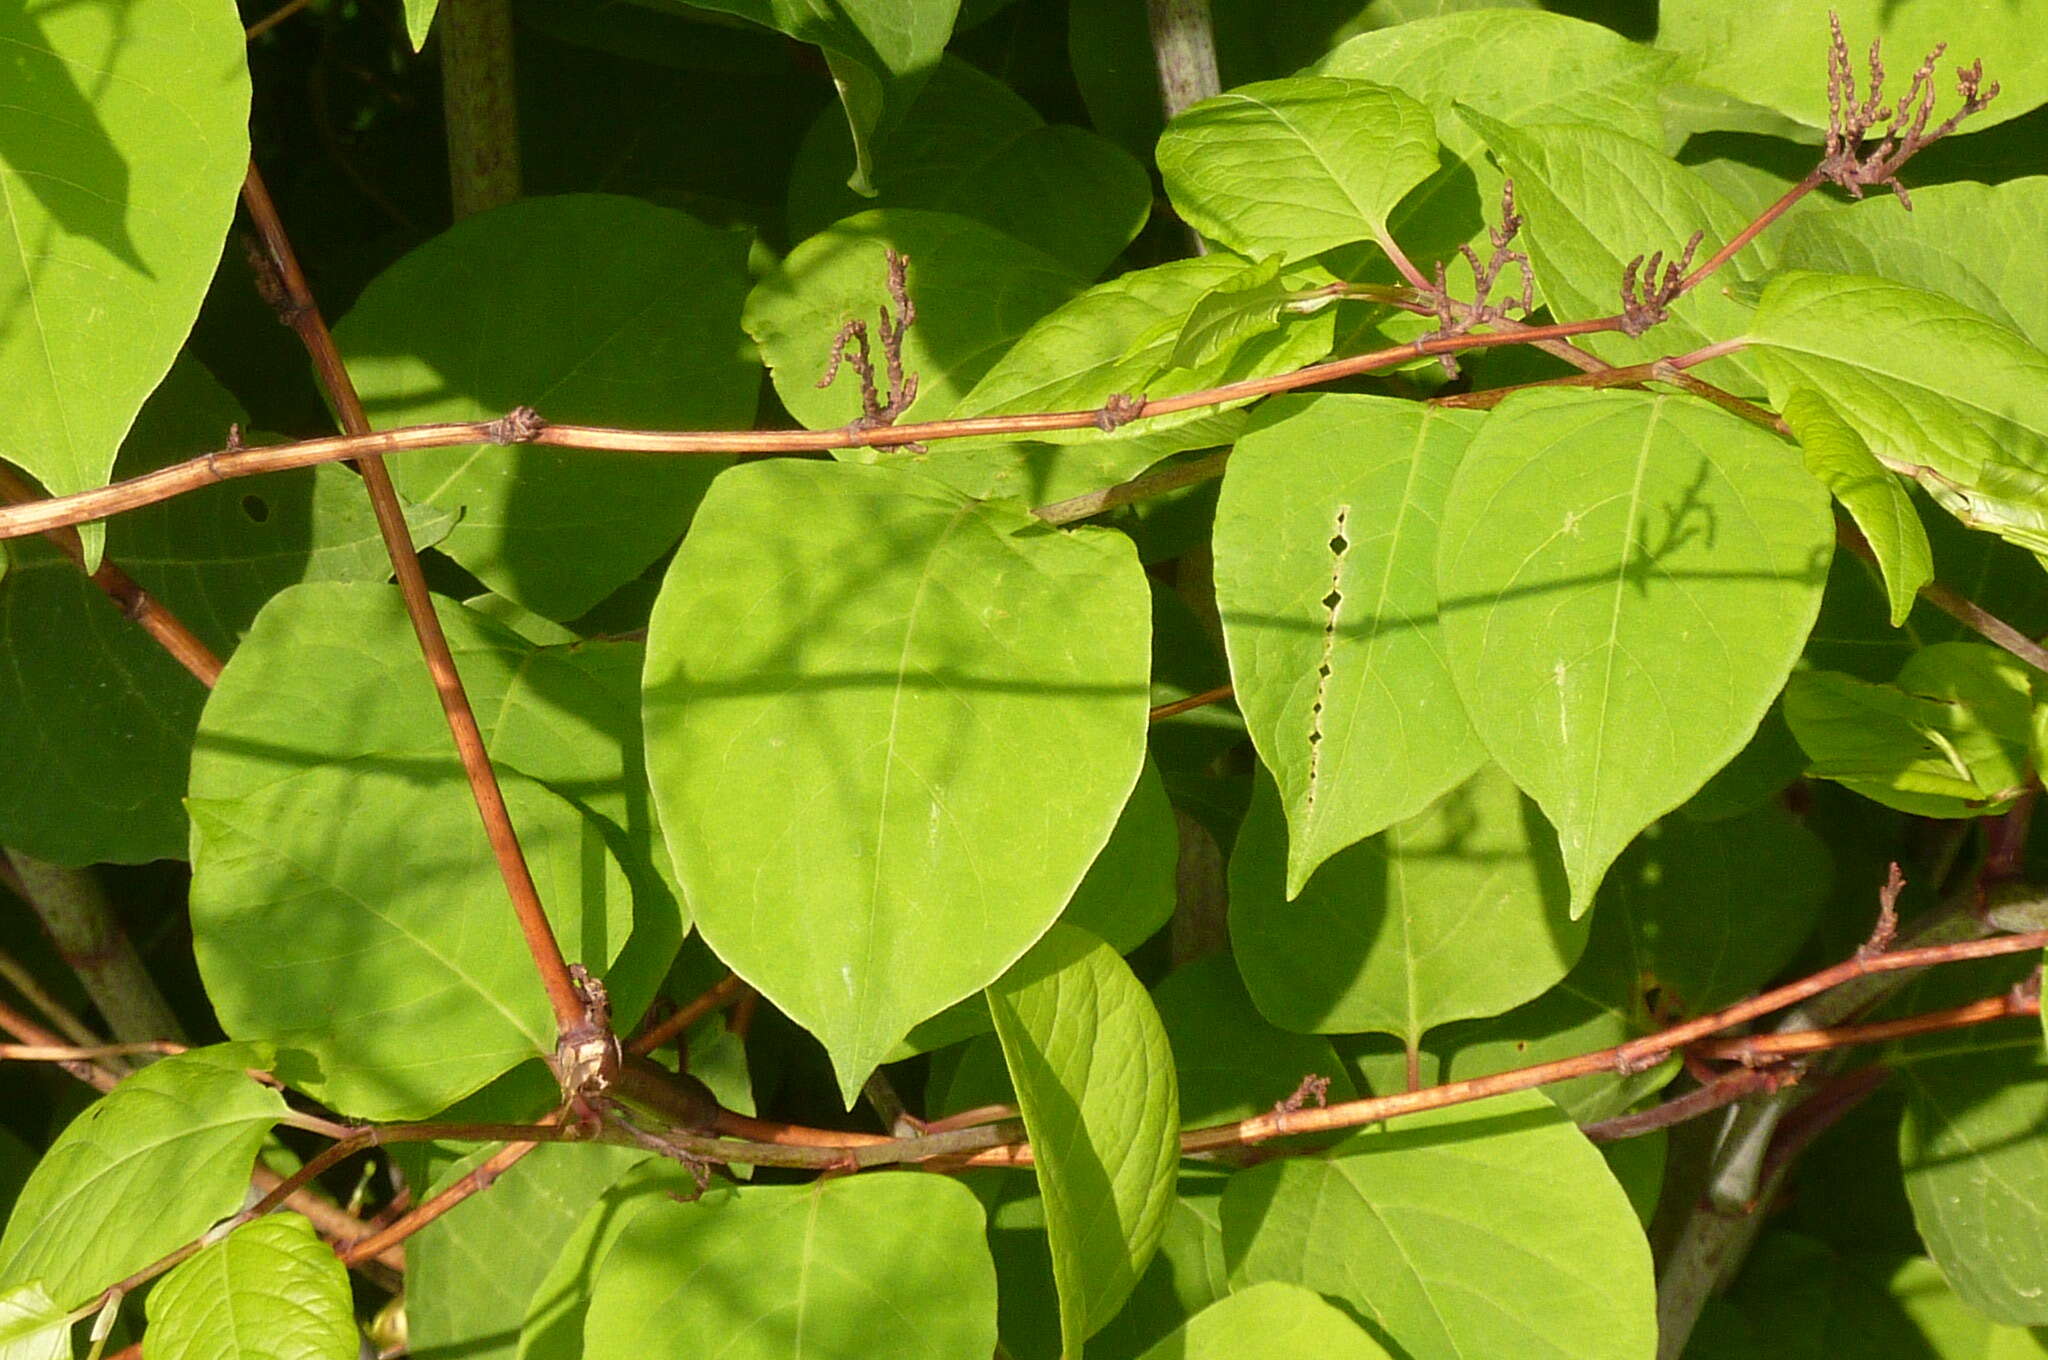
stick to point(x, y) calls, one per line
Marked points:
point(1120, 337)
point(1952, 1327)
point(269, 1290)
point(331, 674)
point(1943, 393)
point(1524, 68)
point(880, 53)
point(123, 142)
point(1129, 890)
point(1636, 576)
point(1874, 498)
point(1326, 543)
point(419, 20)
point(95, 771)
point(1976, 243)
point(1231, 313)
point(1712, 910)
point(1293, 167)
point(1127, 896)
point(1600, 1003)
point(216, 555)
point(1952, 736)
point(1271, 1321)
point(623, 313)
point(1231, 1062)
point(147, 1168)
point(472, 1272)
point(33, 1326)
point(1494, 1229)
point(1777, 56)
point(1976, 1167)
point(1801, 1299)
point(1094, 1079)
point(1457, 912)
point(888, 729)
point(402, 978)
point(1596, 200)
point(824, 1271)
point(969, 145)
point(975, 291)
point(559, 1303)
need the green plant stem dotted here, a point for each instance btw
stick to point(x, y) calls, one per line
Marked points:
point(479, 104)
point(74, 910)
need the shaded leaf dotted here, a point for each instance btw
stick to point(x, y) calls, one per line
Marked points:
point(559, 1303)
point(472, 1273)
point(95, 770)
point(849, 728)
point(1975, 1157)
point(624, 313)
point(1273, 1321)
point(397, 983)
point(1635, 578)
point(811, 1272)
point(145, 1169)
point(1326, 544)
point(1455, 913)
point(269, 1290)
point(880, 53)
point(1713, 910)
point(1229, 1061)
point(969, 145)
point(331, 674)
point(1094, 1079)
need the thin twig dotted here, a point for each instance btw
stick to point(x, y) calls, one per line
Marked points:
point(210, 469)
point(1194, 701)
point(33, 992)
point(273, 19)
point(136, 604)
point(721, 993)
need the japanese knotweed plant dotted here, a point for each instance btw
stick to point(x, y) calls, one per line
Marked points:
point(873, 740)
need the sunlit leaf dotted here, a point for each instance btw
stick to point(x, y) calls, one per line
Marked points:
point(269, 1290)
point(1094, 1080)
point(857, 683)
point(1494, 1229)
point(802, 1272)
point(1326, 544)
point(1625, 582)
point(122, 142)
point(144, 1170)
point(1293, 167)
